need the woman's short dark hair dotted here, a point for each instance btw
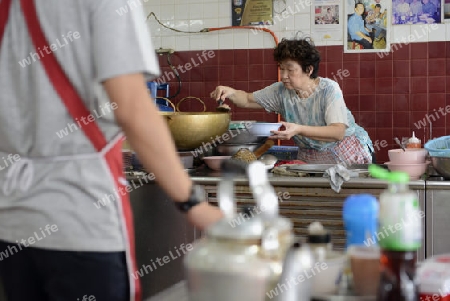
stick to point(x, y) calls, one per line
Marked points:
point(301, 50)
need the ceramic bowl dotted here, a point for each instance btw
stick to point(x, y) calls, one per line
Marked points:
point(414, 170)
point(262, 129)
point(410, 155)
point(214, 162)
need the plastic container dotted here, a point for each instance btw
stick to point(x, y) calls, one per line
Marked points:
point(410, 155)
point(439, 147)
point(414, 170)
point(433, 277)
point(414, 142)
point(360, 216)
point(365, 267)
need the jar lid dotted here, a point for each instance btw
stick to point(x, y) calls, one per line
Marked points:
point(317, 234)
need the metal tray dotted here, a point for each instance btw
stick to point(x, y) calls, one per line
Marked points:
point(320, 168)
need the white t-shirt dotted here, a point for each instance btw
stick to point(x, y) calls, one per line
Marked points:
point(34, 123)
point(325, 106)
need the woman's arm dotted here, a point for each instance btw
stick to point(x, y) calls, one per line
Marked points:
point(331, 133)
point(240, 98)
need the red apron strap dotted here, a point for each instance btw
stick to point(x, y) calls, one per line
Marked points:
point(59, 79)
point(5, 5)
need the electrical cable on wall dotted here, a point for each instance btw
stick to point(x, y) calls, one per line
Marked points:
point(177, 75)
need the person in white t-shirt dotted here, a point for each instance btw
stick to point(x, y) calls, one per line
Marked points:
point(317, 118)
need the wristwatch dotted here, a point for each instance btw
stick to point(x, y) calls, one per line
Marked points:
point(196, 197)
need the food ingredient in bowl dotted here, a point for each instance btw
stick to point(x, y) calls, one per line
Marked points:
point(244, 155)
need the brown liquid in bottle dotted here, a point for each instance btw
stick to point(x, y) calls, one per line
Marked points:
point(398, 270)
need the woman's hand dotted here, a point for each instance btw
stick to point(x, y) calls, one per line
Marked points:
point(222, 93)
point(240, 98)
point(291, 129)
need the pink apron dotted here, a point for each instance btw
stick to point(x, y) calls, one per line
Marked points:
point(110, 151)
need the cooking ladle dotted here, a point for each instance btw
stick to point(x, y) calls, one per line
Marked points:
point(399, 143)
point(223, 107)
point(268, 159)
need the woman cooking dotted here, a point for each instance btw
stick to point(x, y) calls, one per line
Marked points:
point(313, 107)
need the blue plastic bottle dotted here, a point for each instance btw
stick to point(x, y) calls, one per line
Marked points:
point(360, 216)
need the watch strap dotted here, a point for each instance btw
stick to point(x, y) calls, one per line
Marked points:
point(196, 197)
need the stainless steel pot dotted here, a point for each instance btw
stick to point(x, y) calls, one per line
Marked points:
point(442, 166)
point(231, 149)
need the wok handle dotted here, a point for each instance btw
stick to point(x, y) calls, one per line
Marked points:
point(183, 99)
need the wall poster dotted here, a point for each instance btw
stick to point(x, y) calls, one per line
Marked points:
point(251, 12)
point(367, 25)
point(416, 11)
point(326, 20)
point(446, 11)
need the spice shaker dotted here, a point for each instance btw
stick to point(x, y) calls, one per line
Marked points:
point(414, 142)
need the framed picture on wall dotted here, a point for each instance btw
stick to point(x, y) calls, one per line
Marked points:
point(446, 11)
point(367, 25)
point(326, 23)
point(417, 11)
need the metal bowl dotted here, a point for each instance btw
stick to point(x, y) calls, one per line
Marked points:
point(192, 130)
point(442, 166)
point(243, 136)
point(231, 149)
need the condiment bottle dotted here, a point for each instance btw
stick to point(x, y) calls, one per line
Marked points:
point(399, 236)
point(319, 240)
point(360, 214)
point(414, 142)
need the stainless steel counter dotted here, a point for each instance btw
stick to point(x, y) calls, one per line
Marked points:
point(178, 292)
point(160, 228)
point(205, 176)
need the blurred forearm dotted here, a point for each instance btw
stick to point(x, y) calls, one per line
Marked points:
point(148, 134)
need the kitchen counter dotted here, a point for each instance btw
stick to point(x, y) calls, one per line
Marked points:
point(160, 227)
point(178, 292)
point(204, 176)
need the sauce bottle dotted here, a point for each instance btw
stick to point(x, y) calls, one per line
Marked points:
point(319, 241)
point(399, 236)
point(414, 142)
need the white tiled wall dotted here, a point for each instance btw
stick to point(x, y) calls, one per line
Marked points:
point(194, 15)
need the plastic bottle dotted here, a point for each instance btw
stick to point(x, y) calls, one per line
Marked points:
point(360, 214)
point(319, 241)
point(414, 142)
point(400, 235)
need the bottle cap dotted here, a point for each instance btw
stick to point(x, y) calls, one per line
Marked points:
point(391, 176)
point(414, 139)
point(317, 234)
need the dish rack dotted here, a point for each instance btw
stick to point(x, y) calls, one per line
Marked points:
point(439, 147)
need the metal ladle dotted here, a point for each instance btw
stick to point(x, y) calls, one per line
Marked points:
point(399, 143)
point(268, 159)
